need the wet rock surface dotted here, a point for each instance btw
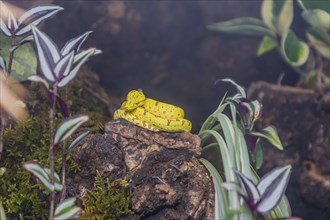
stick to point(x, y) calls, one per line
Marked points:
point(302, 119)
point(164, 176)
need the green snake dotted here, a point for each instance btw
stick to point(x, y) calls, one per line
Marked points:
point(151, 114)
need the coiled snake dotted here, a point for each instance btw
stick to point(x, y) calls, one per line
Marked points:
point(151, 114)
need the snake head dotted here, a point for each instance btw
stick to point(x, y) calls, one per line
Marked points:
point(134, 99)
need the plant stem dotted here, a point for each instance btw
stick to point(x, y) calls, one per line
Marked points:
point(11, 56)
point(64, 153)
point(51, 151)
point(63, 192)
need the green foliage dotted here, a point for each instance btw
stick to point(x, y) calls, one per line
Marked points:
point(26, 141)
point(24, 62)
point(29, 141)
point(229, 142)
point(275, 27)
point(108, 200)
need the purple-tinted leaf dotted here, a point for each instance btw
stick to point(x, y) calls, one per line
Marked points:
point(62, 104)
point(67, 127)
point(48, 53)
point(272, 187)
point(51, 97)
point(251, 141)
point(12, 23)
point(75, 43)
point(25, 40)
point(78, 140)
point(64, 66)
point(34, 16)
point(4, 29)
point(270, 134)
point(248, 185)
point(254, 109)
point(74, 72)
point(36, 78)
point(81, 55)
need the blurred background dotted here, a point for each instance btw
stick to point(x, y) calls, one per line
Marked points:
point(164, 48)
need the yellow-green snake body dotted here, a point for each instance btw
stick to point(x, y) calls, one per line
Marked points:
point(151, 114)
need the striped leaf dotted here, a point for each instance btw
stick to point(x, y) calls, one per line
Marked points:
point(43, 175)
point(63, 67)
point(4, 29)
point(25, 40)
point(252, 193)
point(221, 201)
point(2, 212)
point(67, 127)
point(34, 16)
point(66, 210)
point(243, 26)
point(12, 23)
point(78, 140)
point(317, 18)
point(36, 78)
point(270, 134)
point(79, 60)
point(320, 40)
point(272, 187)
point(315, 4)
point(75, 43)
point(240, 89)
point(277, 15)
point(57, 181)
point(254, 110)
point(295, 52)
point(48, 54)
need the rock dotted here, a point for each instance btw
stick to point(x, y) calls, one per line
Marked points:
point(164, 175)
point(302, 119)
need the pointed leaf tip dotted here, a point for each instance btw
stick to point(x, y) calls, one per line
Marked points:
point(48, 54)
point(68, 127)
point(272, 187)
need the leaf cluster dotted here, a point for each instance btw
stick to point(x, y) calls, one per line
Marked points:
point(26, 141)
point(108, 199)
point(229, 142)
point(305, 54)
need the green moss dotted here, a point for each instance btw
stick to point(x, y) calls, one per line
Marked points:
point(108, 200)
point(20, 194)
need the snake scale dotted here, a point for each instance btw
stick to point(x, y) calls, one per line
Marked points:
point(151, 114)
